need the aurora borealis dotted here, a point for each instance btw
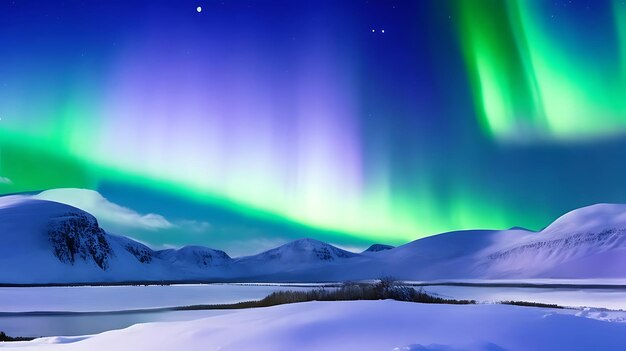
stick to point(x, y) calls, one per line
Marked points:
point(280, 119)
point(541, 71)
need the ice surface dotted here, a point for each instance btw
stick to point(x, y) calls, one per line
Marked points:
point(118, 298)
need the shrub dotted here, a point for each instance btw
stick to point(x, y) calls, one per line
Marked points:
point(382, 290)
point(530, 304)
point(4, 337)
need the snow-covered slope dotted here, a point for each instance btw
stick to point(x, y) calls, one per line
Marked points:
point(589, 242)
point(377, 248)
point(360, 326)
point(197, 261)
point(299, 260)
point(306, 251)
point(443, 256)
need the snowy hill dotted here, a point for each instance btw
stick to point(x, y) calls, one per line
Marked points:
point(299, 260)
point(49, 242)
point(301, 251)
point(378, 248)
point(589, 242)
point(443, 256)
point(195, 257)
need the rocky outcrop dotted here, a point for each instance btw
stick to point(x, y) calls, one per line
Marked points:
point(77, 236)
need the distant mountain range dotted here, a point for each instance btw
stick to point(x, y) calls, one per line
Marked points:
point(44, 242)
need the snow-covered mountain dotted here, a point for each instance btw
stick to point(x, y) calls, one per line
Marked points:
point(589, 242)
point(302, 251)
point(300, 260)
point(378, 248)
point(48, 242)
point(195, 256)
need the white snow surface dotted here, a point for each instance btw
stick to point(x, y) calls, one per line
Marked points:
point(360, 326)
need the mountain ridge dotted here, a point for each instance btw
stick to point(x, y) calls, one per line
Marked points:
point(56, 243)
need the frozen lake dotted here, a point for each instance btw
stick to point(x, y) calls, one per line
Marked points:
point(568, 294)
point(91, 323)
point(34, 311)
point(119, 298)
point(119, 304)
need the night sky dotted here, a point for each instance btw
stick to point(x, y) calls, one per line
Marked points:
point(250, 123)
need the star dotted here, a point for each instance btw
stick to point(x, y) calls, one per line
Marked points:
point(199, 9)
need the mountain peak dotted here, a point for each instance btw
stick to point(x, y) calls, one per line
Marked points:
point(378, 248)
point(305, 242)
point(520, 228)
point(305, 249)
point(195, 256)
point(592, 218)
point(46, 233)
